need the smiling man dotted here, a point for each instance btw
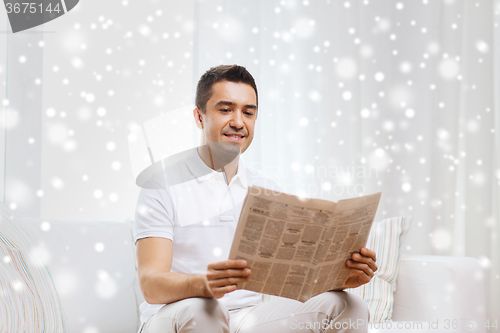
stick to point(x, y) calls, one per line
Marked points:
point(184, 233)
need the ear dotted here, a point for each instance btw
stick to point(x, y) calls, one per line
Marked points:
point(198, 117)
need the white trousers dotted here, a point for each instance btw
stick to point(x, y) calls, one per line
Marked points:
point(333, 311)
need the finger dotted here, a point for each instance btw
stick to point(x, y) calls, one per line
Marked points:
point(364, 259)
point(220, 292)
point(369, 253)
point(222, 274)
point(360, 266)
point(362, 276)
point(226, 282)
point(227, 264)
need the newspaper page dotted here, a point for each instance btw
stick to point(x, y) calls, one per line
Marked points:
point(297, 247)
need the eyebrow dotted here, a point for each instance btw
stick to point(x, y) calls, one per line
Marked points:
point(248, 106)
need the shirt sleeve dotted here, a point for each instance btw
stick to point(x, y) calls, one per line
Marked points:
point(154, 215)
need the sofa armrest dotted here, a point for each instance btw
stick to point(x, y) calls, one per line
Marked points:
point(440, 287)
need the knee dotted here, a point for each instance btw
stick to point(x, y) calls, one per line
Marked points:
point(205, 315)
point(342, 303)
point(357, 306)
point(200, 309)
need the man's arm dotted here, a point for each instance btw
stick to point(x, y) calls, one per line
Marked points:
point(160, 286)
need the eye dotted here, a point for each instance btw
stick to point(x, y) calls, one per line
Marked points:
point(248, 113)
point(225, 110)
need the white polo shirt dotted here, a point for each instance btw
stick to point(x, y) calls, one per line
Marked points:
point(200, 217)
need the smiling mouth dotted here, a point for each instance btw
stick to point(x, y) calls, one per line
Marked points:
point(234, 136)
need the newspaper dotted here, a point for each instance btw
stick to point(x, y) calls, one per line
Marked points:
point(297, 247)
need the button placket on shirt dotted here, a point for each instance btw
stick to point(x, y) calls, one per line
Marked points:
point(226, 207)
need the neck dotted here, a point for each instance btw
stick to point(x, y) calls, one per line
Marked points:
point(230, 169)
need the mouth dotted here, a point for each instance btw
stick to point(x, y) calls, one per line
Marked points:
point(234, 137)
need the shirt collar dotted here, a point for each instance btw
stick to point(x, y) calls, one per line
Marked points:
point(203, 172)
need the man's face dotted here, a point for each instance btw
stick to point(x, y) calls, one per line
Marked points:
point(230, 114)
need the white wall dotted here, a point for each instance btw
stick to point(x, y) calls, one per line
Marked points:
point(3, 48)
point(107, 67)
point(23, 60)
point(84, 81)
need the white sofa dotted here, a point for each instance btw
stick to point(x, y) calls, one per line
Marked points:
point(94, 270)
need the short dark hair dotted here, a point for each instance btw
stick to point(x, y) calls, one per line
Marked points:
point(231, 73)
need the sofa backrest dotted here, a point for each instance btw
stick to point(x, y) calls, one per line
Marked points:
point(93, 268)
point(432, 288)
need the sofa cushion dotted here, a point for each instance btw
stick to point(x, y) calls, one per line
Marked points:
point(28, 298)
point(386, 238)
point(92, 265)
point(435, 287)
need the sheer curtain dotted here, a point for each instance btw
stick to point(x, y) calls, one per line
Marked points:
point(356, 97)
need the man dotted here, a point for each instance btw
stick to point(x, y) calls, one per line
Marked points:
point(184, 233)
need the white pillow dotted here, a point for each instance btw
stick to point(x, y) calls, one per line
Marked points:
point(28, 298)
point(386, 238)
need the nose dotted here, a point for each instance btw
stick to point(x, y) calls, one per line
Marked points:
point(236, 121)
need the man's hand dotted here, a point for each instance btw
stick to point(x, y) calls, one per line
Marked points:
point(222, 277)
point(362, 267)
